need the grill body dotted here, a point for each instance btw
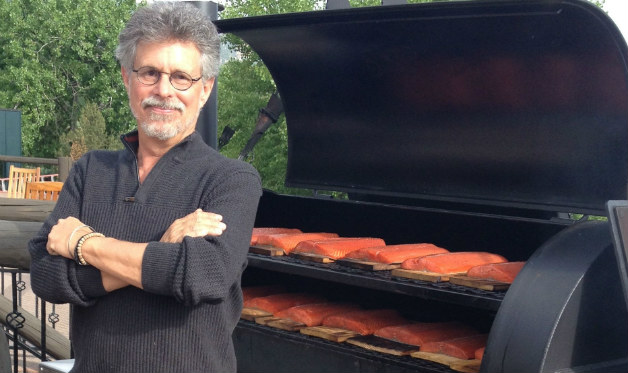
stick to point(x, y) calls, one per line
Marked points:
point(475, 125)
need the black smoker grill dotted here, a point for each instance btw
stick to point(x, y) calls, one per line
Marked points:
point(478, 125)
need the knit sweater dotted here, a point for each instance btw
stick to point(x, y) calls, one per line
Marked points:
point(183, 319)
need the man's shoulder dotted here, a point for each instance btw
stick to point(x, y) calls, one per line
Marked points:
point(210, 157)
point(100, 156)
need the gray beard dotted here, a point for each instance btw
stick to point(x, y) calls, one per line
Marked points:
point(169, 128)
point(166, 130)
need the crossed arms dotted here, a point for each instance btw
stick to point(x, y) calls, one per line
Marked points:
point(120, 262)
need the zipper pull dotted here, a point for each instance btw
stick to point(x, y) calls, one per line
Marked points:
point(129, 199)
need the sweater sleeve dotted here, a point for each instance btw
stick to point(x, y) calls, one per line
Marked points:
point(55, 278)
point(204, 269)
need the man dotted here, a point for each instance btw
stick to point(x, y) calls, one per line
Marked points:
point(149, 243)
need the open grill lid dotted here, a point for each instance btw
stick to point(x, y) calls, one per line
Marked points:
point(505, 103)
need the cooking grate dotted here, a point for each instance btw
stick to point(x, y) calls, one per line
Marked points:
point(381, 280)
point(406, 362)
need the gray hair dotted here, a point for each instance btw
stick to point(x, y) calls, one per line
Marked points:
point(164, 21)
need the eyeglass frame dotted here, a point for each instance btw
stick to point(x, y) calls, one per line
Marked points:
point(193, 80)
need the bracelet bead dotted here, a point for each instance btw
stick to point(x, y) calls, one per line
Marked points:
point(78, 253)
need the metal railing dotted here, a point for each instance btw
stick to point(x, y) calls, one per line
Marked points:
point(34, 334)
point(63, 163)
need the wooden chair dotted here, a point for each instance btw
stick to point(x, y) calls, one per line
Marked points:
point(43, 190)
point(18, 177)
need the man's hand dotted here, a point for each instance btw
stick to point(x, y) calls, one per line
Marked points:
point(64, 236)
point(197, 224)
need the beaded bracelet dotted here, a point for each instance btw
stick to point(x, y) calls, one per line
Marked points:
point(73, 232)
point(78, 253)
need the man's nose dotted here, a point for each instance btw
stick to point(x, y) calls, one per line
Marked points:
point(163, 87)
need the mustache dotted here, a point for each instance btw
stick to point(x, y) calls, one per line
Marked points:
point(163, 104)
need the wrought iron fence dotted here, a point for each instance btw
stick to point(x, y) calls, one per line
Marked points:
point(28, 325)
point(36, 331)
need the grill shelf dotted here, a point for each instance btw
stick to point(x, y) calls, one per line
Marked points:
point(381, 280)
point(406, 363)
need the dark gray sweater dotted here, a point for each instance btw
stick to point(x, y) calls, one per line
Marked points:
point(183, 319)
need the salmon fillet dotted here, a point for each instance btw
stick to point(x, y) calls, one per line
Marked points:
point(270, 230)
point(287, 241)
point(313, 314)
point(448, 263)
point(479, 353)
point(462, 348)
point(418, 334)
point(277, 302)
point(250, 292)
point(337, 248)
point(365, 322)
point(395, 253)
point(502, 272)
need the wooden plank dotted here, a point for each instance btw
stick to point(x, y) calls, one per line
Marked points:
point(251, 314)
point(421, 275)
point(266, 250)
point(17, 209)
point(286, 324)
point(312, 257)
point(478, 283)
point(264, 320)
point(467, 366)
point(386, 346)
point(457, 364)
point(368, 266)
point(57, 345)
point(437, 358)
point(330, 334)
point(14, 237)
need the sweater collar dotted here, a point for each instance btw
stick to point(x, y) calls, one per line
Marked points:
point(131, 142)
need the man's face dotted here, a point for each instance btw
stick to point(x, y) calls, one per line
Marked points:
point(163, 112)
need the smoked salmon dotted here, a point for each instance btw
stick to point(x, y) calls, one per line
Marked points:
point(250, 292)
point(462, 348)
point(270, 230)
point(277, 302)
point(449, 263)
point(336, 248)
point(502, 272)
point(418, 334)
point(479, 353)
point(287, 241)
point(365, 322)
point(313, 314)
point(395, 253)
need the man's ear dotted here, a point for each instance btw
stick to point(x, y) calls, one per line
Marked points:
point(125, 77)
point(207, 90)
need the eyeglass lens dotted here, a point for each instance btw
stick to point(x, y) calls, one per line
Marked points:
point(149, 76)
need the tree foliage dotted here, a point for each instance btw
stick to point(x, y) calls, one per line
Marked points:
point(56, 56)
point(89, 133)
point(245, 85)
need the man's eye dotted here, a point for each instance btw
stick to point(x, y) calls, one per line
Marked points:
point(181, 77)
point(150, 73)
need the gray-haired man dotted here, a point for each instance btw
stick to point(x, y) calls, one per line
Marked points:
point(149, 243)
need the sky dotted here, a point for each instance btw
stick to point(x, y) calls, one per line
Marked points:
point(618, 11)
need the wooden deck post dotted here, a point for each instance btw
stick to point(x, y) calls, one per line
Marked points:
point(65, 164)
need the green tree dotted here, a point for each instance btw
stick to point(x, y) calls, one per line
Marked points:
point(89, 133)
point(245, 85)
point(56, 56)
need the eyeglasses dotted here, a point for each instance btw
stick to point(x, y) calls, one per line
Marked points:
point(150, 76)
